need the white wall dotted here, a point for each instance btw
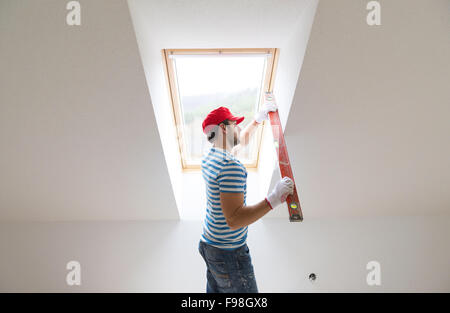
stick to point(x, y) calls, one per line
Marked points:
point(78, 137)
point(162, 256)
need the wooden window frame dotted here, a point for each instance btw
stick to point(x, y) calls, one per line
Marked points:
point(171, 82)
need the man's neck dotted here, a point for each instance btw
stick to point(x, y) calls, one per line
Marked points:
point(223, 146)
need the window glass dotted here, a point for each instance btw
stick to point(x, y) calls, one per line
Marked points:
point(209, 81)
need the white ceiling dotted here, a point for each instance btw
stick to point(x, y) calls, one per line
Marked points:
point(77, 131)
point(368, 131)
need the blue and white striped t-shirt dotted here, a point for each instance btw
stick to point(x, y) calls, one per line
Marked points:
point(222, 172)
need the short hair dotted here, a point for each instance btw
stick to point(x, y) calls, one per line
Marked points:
point(212, 134)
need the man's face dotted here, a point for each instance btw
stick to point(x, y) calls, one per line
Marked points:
point(232, 132)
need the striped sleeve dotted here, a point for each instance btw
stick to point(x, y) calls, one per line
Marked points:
point(232, 178)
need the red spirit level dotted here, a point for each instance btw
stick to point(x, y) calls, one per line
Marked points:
point(295, 211)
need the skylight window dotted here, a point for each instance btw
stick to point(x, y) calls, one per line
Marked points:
point(202, 80)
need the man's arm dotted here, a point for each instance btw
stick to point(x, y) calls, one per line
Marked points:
point(232, 181)
point(236, 214)
point(245, 134)
point(249, 130)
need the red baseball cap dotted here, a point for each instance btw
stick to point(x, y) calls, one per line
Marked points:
point(217, 116)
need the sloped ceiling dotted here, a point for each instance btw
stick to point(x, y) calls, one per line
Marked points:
point(78, 137)
point(368, 131)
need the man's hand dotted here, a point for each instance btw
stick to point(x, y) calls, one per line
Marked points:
point(263, 114)
point(280, 192)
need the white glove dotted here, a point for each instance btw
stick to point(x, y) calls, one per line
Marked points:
point(280, 192)
point(263, 114)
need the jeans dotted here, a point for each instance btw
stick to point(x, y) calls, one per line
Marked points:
point(228, 271)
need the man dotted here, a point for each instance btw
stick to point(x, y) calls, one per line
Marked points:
point(223, 242)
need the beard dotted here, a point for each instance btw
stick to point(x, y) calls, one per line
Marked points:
point(234, 141)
